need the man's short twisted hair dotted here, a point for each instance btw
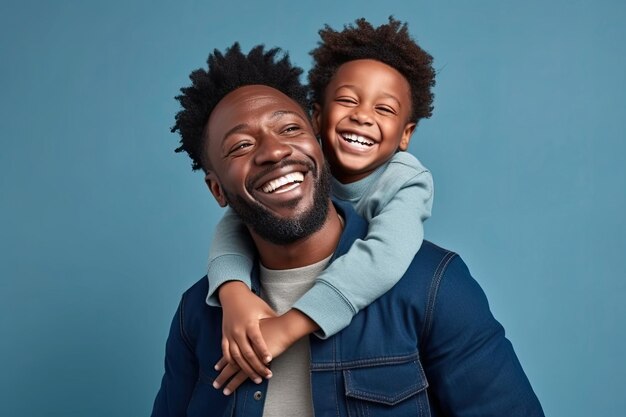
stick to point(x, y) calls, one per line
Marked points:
point(227, 72)
point(389, 43)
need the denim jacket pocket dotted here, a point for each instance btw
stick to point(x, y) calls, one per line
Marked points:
point(397, 389)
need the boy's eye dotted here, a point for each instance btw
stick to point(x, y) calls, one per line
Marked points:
point(346, 100)
point(386, 109)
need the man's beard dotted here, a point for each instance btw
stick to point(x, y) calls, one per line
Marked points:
point(279, 230)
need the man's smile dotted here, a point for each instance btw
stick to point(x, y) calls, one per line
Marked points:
point(284, 183)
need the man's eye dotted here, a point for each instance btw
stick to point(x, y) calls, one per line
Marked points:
point(239, 148)
point(291, 129)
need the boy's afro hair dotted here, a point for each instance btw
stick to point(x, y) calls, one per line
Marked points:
point(227, 72)
point(389, 43)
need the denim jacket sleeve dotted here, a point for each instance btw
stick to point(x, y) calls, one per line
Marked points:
point(181, 372)
point(471, 366)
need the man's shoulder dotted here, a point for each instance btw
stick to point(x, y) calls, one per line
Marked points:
point(429, 263)
point(199, 320)
point(194, 298)
point(433, 256)
point(434, 263)
point(433, 267)
point(198, 289)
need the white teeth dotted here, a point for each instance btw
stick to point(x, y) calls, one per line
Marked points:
point(294, 177)
point(351, 137)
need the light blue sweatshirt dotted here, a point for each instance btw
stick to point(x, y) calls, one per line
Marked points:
point(395, 199)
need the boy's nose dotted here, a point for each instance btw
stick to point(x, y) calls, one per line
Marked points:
point(361, 116)
point(271, 150)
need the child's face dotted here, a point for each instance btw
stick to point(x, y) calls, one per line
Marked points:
point(363, 120)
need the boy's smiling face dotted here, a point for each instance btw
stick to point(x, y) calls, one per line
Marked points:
point(363, 120)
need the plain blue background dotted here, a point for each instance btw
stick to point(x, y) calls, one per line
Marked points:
point(102, 226)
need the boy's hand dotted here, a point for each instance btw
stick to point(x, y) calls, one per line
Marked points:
point(279, 333)
point(243, 345)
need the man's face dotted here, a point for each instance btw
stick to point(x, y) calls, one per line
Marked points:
point(363, 119)
point(266, 163)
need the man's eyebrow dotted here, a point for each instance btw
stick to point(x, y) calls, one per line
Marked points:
point(280, 113)
point(275, 115)
point(238, 128)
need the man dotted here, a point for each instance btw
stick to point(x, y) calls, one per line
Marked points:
point(428, 347)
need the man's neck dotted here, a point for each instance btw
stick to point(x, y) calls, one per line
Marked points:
point(306, 251)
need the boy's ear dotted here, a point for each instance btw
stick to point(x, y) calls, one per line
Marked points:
point(316, 118)
point(409, 128)
point(216, 188)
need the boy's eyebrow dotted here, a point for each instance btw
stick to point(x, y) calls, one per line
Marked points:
point(388, 95)
point(394, 98)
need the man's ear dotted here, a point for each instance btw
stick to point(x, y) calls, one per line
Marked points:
point(409, 128)
point(216, 188)
point(316, 119)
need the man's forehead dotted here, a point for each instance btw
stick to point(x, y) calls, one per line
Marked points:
point(251, 96)
point(248, 103)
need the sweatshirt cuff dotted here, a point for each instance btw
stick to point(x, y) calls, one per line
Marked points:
point(226, 268)
point(327, 307)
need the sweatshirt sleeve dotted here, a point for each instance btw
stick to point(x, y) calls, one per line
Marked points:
point(231, 255)
point(396, 205)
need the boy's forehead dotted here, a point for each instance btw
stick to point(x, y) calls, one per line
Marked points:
point(371, 73)
point(367, 65)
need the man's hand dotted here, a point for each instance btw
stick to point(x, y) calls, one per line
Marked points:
point(243, 345)
point(279, 333)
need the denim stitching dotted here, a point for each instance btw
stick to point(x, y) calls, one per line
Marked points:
point(417, 405)
point(245, 398)
point(335, 377)
point(232, 404)
point(368, 396)
point(364, 363)
point(432, 295)
point(348, 407)
point(363, 395)
point(424, 405)
point(183, 333)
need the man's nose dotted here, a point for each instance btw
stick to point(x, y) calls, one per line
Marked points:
point(272, 149)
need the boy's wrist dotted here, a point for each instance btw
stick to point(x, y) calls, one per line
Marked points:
point(297, 325)
point(231, 289)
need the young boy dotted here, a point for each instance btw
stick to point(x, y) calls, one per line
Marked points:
point(370, 87)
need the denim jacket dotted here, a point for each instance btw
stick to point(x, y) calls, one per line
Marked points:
point(428, 347)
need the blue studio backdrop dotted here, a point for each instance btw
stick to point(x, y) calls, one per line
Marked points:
point(102, 226)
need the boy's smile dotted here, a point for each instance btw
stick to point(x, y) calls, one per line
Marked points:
point(363, 120)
